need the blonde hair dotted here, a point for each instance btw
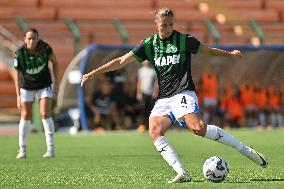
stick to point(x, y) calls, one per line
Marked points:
point(163, 12)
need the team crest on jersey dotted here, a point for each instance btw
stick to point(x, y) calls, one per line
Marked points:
point(157, 49)
point(171, 49)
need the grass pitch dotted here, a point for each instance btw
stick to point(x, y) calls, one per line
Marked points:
point(129, 160)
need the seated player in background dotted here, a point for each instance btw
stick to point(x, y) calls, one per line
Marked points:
point(146, 90)
point(102, 107)
point(209, 90)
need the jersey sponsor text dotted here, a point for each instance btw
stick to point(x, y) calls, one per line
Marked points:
point(164, 61)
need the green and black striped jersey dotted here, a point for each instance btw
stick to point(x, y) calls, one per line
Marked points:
point(34, 67)
point(171, 59)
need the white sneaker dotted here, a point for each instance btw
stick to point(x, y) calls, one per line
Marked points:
point(254, 156)
point(49, 154)
point(181, 177)
point(21, 154)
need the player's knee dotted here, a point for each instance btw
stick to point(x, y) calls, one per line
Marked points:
point(25, 115)
point(45, 114)
point(199, 128)
point(154, 132)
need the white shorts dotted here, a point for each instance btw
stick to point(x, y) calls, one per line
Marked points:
point(177, 106)
point(31, 95)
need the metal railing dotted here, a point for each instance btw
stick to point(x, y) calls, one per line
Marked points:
point(122, 30)
point(214, 32)
point(258, 31)
point(76, 34)
point(8, 44)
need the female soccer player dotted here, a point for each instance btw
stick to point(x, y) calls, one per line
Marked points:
point(34, 80)
point(169, 52)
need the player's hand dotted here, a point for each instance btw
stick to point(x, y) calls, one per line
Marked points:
point(236, 53)
point(85, 78)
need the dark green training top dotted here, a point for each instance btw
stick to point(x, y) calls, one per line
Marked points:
point(171, 59)
point(34, 67)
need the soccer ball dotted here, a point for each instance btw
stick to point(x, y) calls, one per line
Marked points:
point(215, 169)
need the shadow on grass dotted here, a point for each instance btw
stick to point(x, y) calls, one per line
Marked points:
point(258, 180)
point(235, 182)
point(268, 180)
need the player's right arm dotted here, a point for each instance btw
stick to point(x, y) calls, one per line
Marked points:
point(18, 76)
point(112, 65)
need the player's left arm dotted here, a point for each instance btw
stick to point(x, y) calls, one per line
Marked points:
point(203, 49)
point(55, 73)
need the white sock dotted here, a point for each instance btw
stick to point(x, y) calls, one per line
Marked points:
point(169, 154)
point(23, 133)
point(49, 133)
point(219, 135)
